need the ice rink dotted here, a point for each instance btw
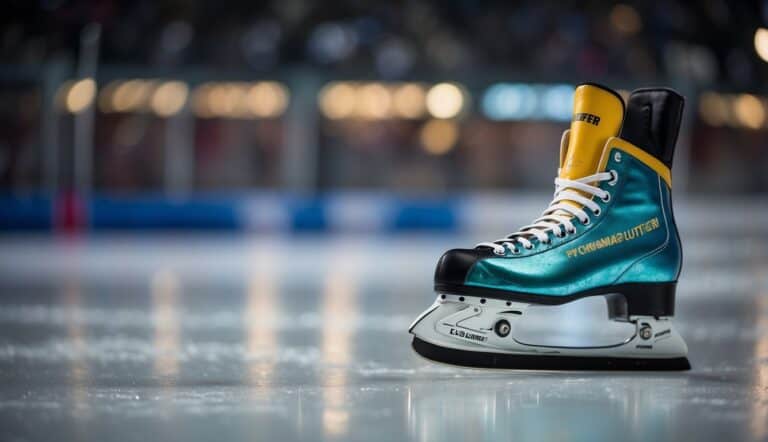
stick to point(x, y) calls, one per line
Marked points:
point(285, 337)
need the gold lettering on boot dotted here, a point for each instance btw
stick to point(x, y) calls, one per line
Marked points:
point(614, 239)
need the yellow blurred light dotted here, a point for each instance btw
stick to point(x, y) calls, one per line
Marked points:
point(626, 19)
point(132, 95)
point(337, 100)
point(445, 100)
point(169, 98)
point(227, 100)
point(749, 111)
point(713, 109)
point(77, 96)
point(105, 96)
point(439, 136)
point(267, 99)
point(200, 101)
point(373, 102)
point(237, 94)
point(218, 101)
point(761, 43)
point(408, 101)
point(235, 104)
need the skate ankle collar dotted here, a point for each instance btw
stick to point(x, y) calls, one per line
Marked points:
point(644, 157)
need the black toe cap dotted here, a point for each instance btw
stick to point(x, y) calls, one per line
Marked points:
point(455, 264)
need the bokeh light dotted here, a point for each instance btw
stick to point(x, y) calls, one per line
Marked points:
point(77, 96)
point(169, 98)
point(224, 100)
point(373, 101)
point(267, 99)
point(439, 136)
point(749, 111)
point(240, 100)
point(337, 100)
point(761, 43)
point(556, 102)
point(445, 100)
point(408, 101)
point(625, 19)
point(131, 95)
point(511, 101)
point(713, 109)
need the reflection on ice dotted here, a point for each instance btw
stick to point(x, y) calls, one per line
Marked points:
point(78, 370)
point(339, 308)
point(759, 412)
point(165, 302)
point(261, 311)
point(543, 408)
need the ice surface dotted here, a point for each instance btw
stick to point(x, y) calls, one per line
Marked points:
point(304, 338)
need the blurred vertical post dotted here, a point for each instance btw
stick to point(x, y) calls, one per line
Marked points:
point(299, 162)
point(86, 68)
point(54, 74)
point(179, 153)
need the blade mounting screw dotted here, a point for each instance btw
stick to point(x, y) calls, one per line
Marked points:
point(646, 332)
point(502, 328)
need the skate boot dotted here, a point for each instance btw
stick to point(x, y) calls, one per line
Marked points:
point(609, 231)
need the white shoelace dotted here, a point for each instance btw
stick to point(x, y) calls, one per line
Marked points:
point(559, 215)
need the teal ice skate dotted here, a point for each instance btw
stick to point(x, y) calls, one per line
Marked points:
point(609, 231)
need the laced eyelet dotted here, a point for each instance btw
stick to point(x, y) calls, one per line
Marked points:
point(614, 177)
point(617, 157)
point(553, 219)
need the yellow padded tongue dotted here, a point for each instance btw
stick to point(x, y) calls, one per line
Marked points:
point(597, 116)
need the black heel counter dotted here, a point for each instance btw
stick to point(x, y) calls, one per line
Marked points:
point(642, 299)
point(652, 121)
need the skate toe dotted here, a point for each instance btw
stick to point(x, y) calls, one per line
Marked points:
point(455, 264)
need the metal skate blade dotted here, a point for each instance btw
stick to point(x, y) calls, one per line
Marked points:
point(479, 359)
point(579, 324)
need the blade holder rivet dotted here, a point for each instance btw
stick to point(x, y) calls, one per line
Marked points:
point(502, 328)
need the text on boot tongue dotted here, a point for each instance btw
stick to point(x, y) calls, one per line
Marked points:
point(587, 118)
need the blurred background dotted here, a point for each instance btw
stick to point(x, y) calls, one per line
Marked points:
point(350, 115)
point(218, 219)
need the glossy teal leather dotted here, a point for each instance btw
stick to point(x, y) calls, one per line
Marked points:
point(637, 198)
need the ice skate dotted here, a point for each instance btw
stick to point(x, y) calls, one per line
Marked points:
point(609, 231)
